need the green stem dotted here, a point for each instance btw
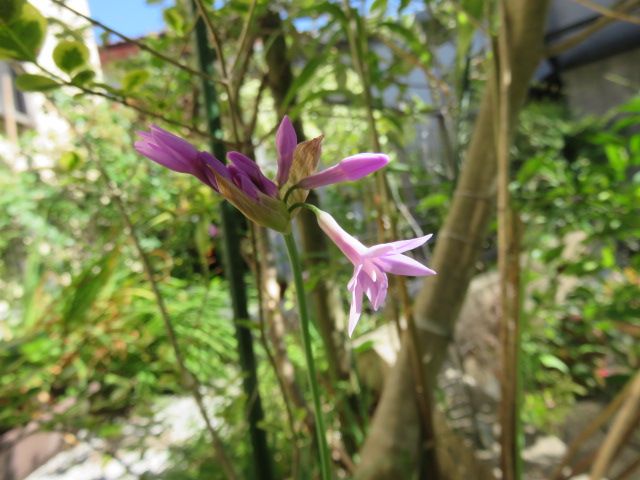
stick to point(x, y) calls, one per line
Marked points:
point(325, 468)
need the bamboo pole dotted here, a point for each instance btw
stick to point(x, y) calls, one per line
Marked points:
point(235, 269)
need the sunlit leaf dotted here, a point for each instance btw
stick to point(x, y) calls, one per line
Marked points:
point(35, 83)
point(22, 37)
point(83, 77)
point(70, 56)
point(134, 80)
point(553, 362)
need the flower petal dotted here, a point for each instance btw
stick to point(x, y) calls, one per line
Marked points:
point(251, 168)
point(349, 245)
point(381, 294)
point(402, 265)
point(356, 305)
point(177, 144)
point(405, 245)
point(351, 168)
point(286, 142)
point(162, 156)
point(177, 154)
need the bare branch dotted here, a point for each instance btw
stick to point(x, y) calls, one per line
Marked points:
point(607, 12)
point(586, 32)
point(215, 39)
point(138, 43)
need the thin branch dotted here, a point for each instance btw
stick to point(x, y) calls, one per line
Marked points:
point(188, 379)
point(251, 126)
point(593, 427)
point(127, 103)
point(607, 12)
point(265, 343)
point(137, 43)
point(244, 36)
point(411, 58)
point(597, 25)
point(215, 39)
point(621, 425)
point(423, 390)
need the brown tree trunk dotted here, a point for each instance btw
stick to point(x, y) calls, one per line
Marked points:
point(392, 445)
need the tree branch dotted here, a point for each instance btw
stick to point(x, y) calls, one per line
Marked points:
point(138, 43)
point(607, 12)
point(597, 25)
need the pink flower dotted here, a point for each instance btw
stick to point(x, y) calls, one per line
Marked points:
point(349, 169)
point(242, 182)
point(371, 264)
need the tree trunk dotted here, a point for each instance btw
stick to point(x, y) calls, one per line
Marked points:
point(392, 445)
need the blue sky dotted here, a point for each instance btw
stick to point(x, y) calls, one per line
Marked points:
point(136, 18)
point(133, 18)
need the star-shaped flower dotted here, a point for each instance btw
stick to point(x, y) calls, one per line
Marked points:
point(371, 264)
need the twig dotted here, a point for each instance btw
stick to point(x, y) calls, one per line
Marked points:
point(244, 35)
point(251, 125)
point(137, 43)
point(607, 12)
point(187, 378)
point(599, 24)
point(588, 431)
point(622, 423)
point(265, 343)
point(215, 39)
point(125, 102)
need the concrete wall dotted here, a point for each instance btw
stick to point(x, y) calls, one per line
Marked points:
point(595, 88)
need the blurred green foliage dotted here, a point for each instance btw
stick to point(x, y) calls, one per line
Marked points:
point(578, 190)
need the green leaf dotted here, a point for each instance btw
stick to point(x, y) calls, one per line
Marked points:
point(379, 5)
point(35, 83)
point(83, 77)
point(174, 20)
point(69, 161)
point(70, 55)
point(86, 288)
point(134, 79)
point(618, 159)
point(551, 361)
point(10, 10)
point(22, 37)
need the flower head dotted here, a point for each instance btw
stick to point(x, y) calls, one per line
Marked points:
point(371, 264)
point(242, 182)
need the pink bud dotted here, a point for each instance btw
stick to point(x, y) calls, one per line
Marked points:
point(351, 168)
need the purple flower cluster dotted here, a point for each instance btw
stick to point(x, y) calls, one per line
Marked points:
point(264, 201)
